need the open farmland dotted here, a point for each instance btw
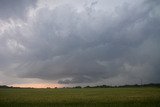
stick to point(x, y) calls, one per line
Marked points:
point(86, 97)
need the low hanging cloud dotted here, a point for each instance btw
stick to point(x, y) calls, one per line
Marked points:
point(89, 43)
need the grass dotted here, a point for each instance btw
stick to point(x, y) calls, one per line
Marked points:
point(97, 97)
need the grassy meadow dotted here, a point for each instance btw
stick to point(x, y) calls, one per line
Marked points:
point(86, 97)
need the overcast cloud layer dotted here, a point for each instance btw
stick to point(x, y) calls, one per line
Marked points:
point(80, 41)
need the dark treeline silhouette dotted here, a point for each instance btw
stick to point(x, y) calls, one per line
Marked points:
point(99, 86)
point(5, 86)
point(121, 86)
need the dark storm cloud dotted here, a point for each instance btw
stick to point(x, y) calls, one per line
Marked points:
point(86, 46)
point(15, 8)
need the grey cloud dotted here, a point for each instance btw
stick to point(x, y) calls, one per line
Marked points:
point(15, 8)
point(75, 47)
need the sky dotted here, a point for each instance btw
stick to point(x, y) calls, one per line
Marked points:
point(56, 43)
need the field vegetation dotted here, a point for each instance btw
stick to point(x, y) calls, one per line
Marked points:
point(80, 97)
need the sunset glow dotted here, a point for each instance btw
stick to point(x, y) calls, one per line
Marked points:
point(38, 85)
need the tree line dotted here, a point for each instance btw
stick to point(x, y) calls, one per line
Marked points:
point(100, 86)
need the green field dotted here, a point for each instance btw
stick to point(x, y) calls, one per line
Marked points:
point(97, 97)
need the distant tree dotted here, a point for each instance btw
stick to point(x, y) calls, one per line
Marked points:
point(78, 87)
point(4, 86)
point(87, 87)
